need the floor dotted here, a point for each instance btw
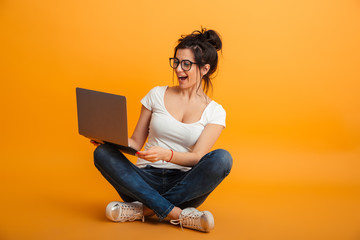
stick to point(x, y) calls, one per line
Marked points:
point(65, 198)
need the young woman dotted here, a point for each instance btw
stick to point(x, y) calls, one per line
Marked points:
point(176, 172)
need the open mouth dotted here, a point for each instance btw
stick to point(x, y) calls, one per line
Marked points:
point(182, 78)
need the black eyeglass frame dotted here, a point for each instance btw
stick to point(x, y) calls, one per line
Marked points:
point(181, 63)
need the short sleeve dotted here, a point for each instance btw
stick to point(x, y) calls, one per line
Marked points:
point(148, 100)
point(218, 115)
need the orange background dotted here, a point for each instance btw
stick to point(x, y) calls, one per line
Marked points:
point(288, 79)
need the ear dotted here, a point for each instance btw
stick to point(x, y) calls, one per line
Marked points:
point(205, 69)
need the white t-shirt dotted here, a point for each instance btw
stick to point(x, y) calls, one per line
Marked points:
point(167, 132)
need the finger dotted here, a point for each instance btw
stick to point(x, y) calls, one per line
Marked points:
point(141, 153)
point(149, 155)
point(145, 153)
point(153, 157)
point(143, 156)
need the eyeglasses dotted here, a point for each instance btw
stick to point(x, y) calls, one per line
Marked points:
point(185, 64)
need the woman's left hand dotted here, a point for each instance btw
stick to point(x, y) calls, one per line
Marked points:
point(154, 154)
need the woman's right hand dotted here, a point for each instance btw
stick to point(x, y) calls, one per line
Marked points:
point(96, 144)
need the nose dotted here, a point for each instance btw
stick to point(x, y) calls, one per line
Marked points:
point(178, 68)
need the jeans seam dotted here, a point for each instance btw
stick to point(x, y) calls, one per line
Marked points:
point(212, 188)
point(208, 192)
point(161, 215)
point(107, 175)
point(166, 212)
point(141, 200)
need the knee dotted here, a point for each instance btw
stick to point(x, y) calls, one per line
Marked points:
point(100, 154)
point(225, 158)
point(221, 160)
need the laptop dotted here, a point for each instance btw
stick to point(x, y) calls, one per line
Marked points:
point(102, 117)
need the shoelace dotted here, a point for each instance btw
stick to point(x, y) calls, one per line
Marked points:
point(127, 214)
point(190, 220)
point(136, 216)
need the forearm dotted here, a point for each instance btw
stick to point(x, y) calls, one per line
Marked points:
point(141, 131)
point(135, 144)
point(187, 159)
point(156, 153)
point(204, 144)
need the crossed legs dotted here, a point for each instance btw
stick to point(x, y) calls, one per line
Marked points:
point(133, 183)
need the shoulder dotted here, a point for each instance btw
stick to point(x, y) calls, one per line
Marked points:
point(158, 90)
point(154, 97)
point(216, 114)
point(170, 90)
point(216, 108)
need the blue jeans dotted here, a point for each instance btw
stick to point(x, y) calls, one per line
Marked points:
point(162, 189)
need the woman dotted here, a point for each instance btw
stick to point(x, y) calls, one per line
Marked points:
point(176, 172)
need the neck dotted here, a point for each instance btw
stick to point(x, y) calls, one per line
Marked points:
point(192, 93)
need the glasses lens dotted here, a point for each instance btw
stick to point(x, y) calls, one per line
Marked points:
point(174, 62)
point(186, 65)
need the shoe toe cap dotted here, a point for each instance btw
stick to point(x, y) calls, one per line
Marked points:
point(207, 221)
point(113, 211)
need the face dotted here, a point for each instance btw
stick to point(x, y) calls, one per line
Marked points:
point(191, 78)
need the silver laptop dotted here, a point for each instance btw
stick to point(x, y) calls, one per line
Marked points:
point(103, 117)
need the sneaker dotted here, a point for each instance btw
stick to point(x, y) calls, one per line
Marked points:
point(195, 219)
point(124, 212)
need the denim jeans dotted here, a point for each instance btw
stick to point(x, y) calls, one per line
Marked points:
point(163, 189)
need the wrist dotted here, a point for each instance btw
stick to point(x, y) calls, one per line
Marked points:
point(171, 155)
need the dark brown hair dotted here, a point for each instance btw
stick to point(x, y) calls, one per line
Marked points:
point(204, 45)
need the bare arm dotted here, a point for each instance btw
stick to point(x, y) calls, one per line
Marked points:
point(205, 142)
point(141, 131)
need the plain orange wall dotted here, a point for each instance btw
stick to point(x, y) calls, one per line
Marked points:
point(289, 73)
point(288, 78)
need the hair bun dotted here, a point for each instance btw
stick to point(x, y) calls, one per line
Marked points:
point(212, 37)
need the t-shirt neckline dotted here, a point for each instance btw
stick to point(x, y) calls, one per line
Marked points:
point(167, 112)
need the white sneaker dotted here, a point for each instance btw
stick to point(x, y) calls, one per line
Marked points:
point(195, 219)
point(124, 212)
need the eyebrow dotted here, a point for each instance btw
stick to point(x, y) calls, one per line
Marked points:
point(184, 59)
